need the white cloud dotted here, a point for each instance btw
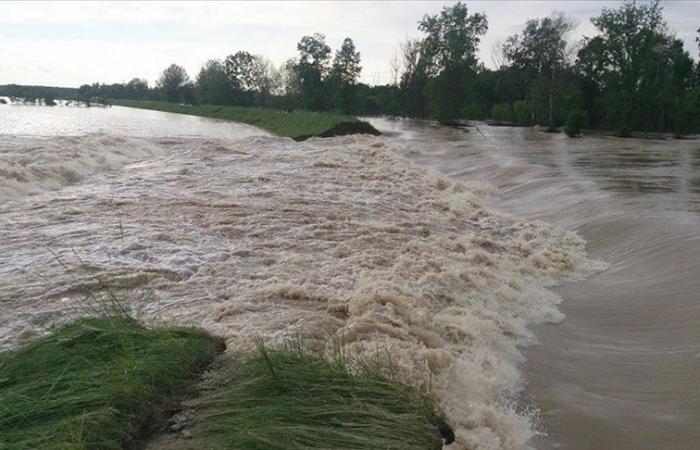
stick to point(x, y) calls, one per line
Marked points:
point(114, 41)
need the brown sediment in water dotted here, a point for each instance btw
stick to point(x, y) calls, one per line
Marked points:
point(336, 242)
point(620, 372)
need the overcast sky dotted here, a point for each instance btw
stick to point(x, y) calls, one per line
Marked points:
point(69, 44)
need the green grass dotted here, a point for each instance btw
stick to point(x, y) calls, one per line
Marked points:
point(97, 383)
point(275, 400)
point(296, 124)
point(110, 382)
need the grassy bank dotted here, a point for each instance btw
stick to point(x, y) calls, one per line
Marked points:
point(109, 383)
point(291, 400)
point(297, 125)
point(97, 383)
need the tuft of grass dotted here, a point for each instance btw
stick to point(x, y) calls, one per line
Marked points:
point(290, 399)
point(97, 383)
point(296, 124)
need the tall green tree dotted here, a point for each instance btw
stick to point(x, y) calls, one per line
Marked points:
point(539, 53)
point(414, 78)
point(240, 71)
point(680, 89)
point(137, 88)
point(697, 65)
point(346, 63)
point(172, 82)
point(623, 56)
point(289, 83)
point(213, 85)
point(252, 78)
point(344, 75)
point(266, 80)
point(450, 46)
point(311, 69)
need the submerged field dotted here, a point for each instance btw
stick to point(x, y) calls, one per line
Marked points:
point(297, 125)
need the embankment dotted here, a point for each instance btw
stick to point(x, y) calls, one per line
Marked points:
point(298, 125)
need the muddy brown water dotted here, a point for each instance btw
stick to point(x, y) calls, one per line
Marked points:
point(341, 243)
point(622, 371)
point(223, 226)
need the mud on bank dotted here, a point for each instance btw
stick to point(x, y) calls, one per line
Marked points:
point(343, 129)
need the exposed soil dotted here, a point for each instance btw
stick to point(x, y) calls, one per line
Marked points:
point(343, 128)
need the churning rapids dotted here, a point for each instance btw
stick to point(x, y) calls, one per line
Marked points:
point(361, 242)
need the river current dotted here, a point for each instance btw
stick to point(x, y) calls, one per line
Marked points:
point(621, 371)
point(429, 247)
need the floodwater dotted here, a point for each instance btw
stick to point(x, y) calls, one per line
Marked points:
point(622, 370)
point(360, 243)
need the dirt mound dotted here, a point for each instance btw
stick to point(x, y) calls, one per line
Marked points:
point(343, 128)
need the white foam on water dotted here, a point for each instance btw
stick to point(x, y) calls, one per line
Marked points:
point(33, 165)
point(332, 241)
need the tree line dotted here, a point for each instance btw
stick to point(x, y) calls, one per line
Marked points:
point(633, 74)
point(46, 95)
point(316, 80)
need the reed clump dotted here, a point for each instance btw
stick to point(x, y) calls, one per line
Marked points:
point(291, 399)
point(97, 383)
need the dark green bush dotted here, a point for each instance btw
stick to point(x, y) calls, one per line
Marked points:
point(523, 112)
point(575, 121)
point(502, 113)
point(473, 111)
